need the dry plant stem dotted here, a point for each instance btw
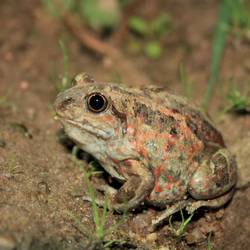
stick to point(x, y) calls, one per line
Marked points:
point(128, 71)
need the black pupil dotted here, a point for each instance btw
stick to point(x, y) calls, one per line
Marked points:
point(97, 102)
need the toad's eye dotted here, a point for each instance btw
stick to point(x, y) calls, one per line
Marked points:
point(97, 102)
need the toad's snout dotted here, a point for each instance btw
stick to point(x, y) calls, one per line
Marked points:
point(63, 102)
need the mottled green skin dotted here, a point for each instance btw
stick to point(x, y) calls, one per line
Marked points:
point(161, 148)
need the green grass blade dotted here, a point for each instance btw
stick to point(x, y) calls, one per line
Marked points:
point(93, 203)
point(65, 73)
point(184, 223)
point(209, 245)
point(218, 44)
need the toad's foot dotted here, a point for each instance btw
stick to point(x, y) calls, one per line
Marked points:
point(170, 210)
point(97, 201)
point(132, 193)
point(214, 203)
point(109, 191)
point(122, 200)
point(191, 206)
point(135, 190)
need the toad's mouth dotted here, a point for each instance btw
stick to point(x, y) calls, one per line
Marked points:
point(112, 171)
point(89, 128)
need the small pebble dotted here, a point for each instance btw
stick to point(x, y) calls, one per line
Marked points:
point(24, 85)
point(31, 113)
point(152, 237)
point(220, 214)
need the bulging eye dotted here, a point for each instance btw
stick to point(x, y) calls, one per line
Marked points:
point(97, 102)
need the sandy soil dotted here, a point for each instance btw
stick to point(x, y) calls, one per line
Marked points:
point(41, 187)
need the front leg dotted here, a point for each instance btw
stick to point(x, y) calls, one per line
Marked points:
point(134, 191)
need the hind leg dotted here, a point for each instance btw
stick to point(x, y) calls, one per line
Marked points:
point(214, 203)
point(214, 177)
point(190, 205)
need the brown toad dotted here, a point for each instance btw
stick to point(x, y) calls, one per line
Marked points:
point(163, 150)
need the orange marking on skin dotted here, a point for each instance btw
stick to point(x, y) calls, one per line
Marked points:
point(181, 148)
point(141, 119)
point(169, 177)
point(171, 142)
point(170, 113)
point(167, 186)
point(127, 162)
point(143, 137)
point(107, 118)
point(166, 136)
point(115, 161)
point(157, 173)
point(191, 151)
point(194, 166)
point(158, 170)
point(157, 188)
point(118, 167)
point(131, 129)
point(165, 158)
point(120, 170)
point(195, 147)
point(144, 152)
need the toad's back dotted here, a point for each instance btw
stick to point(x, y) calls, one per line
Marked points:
point(162, 110)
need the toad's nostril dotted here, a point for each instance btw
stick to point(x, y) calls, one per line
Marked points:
point(64, 103)
point(68, 101)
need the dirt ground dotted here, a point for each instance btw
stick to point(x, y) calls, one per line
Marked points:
point(41, 187)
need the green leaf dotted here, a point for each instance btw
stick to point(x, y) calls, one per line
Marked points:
point(65, 82)
point(160, 25)
point(138, 25)
point(98, 17)
point(240, 18)
point(237, 101)
point(153, 50)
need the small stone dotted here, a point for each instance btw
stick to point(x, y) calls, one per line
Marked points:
point(219, 214)
point(208, 217)
point(31, 113)
point(24, 85)
point(152, 237)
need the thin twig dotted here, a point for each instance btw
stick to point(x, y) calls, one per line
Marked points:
point(128, 71)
